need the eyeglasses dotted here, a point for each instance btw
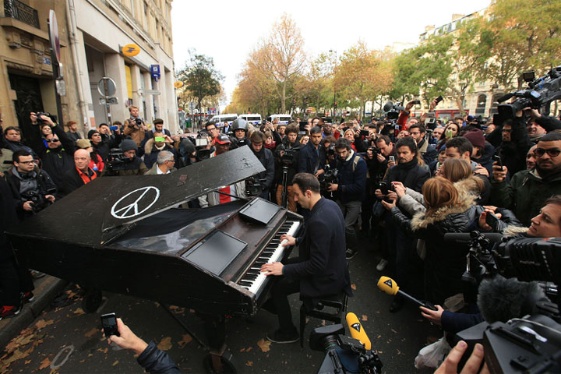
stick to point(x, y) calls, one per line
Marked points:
point(26, 162)
point(551, 152)
point(53, 140)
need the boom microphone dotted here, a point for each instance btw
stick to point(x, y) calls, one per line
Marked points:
point(357, 332)
point(390, 287)
point(502, 299)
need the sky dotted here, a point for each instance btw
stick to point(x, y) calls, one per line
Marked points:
point(228, 31)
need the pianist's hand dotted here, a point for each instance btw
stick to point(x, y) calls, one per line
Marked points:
point(290, 240)
point(272, 269)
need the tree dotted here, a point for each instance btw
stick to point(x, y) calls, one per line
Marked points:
point(517, 36)
point(201, 79)
point(284, 55)
point(361, 75)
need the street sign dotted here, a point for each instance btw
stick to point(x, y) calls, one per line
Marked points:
point(130, 50)
point(106, 87)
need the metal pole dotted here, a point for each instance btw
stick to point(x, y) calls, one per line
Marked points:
point(56, 74)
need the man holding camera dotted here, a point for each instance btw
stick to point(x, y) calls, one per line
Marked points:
point(32, 189)
point(127, 164)
point(287, 166)
point(349, 189)
point(265, 156)
point(135, 127)
point(399, 245)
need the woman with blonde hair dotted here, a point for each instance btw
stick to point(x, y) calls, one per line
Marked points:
point(449, 208)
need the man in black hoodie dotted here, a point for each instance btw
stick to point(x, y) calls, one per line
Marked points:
point(265, 156)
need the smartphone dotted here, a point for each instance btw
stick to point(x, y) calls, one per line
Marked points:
point(364, 132)
point(392, 159)
point(109, 324)
point(492, 220)
point(416, 102)
point(499, 161)
point(113, 128)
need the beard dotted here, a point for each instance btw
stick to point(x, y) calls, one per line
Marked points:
point(549, 172)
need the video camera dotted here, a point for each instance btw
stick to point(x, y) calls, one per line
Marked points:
point(254, 186)
point(286, 156)
point(117, 160)
point(344, 354)
point(540, 92)
point(327, 178)
point(530, 343)
point(392, 110)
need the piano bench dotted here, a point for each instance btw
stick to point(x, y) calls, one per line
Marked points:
point(331, 308)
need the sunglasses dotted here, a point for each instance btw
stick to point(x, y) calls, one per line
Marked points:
point(551, 152)
point(54, 140)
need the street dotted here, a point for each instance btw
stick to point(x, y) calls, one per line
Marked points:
point(65, 339)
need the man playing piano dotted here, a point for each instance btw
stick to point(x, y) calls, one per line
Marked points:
point(321, 269)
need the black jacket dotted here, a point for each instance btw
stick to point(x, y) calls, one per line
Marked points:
point(155, 361)
point(45, 186)
point(322, 269)
point(309, 161)
point(411, 174)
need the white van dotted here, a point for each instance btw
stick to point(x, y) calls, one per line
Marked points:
point(220, 119)
point(254, 119)
point(284, 119)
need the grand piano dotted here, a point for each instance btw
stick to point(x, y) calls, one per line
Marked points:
point(127, 235)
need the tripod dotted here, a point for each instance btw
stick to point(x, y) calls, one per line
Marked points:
point(284, 183)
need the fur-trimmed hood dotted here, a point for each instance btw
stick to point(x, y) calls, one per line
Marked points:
point(468, 194)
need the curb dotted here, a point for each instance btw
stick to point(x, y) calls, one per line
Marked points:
point(45, 291)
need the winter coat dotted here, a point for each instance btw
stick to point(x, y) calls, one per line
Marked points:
point(526, 193)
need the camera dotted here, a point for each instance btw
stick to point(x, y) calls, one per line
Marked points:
point(254, 186)
point(512, 344)
point(327, 178)
point(39, 114)
point(392, 110)
point(38, 199)
point(540, 92)
point(286, 155)
point(356, 359)
point(117, 160)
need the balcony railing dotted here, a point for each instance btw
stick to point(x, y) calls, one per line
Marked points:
point(22, 12)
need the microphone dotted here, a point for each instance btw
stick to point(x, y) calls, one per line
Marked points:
point(501, 299)
point(504, 97)
point(357, 332)
point(390, 287)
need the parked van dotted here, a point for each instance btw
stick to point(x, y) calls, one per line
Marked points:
point(284, 119)
point(254, 119)
point(220, 119)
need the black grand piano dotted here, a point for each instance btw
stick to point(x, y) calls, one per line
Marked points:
point(127, 235)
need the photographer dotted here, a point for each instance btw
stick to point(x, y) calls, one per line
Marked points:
point(286, 166)
point(349, 188)
point(32, 188)
point(126, 163)
point(135, 130)
point(265, 156)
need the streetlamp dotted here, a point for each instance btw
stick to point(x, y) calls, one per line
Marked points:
point(334, 65)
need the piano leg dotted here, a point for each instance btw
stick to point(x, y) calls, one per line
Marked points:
point(219, 359)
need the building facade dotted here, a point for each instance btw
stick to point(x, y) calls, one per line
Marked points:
point(92, 34)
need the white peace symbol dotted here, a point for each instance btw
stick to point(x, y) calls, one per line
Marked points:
point(123, 212)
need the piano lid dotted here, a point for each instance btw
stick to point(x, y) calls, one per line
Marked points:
point(105, 208)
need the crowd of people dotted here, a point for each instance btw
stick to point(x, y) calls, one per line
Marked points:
point(405, 183)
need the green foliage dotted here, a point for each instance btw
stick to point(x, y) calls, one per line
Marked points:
point(200, 78)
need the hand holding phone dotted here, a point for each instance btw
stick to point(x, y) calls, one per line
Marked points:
point(492, 220)
point(109, 325)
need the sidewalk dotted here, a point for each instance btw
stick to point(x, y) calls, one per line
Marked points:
point(46, 289)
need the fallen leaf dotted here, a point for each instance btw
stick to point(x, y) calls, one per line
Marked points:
point(353, 286)
point(115, 363)
point(249, 363)
point(79, 312)
point(45, 363)
point(265, 345)
point(165, 344)
point(42, 323)
point(103, 350)
point(27, 362)
point(364, 317)
point(249, 349)
point(186, 339)
point(92, 332)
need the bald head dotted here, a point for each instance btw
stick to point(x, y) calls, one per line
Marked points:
point(82, 159)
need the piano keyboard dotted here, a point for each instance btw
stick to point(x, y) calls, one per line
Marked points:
point(253, 279)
